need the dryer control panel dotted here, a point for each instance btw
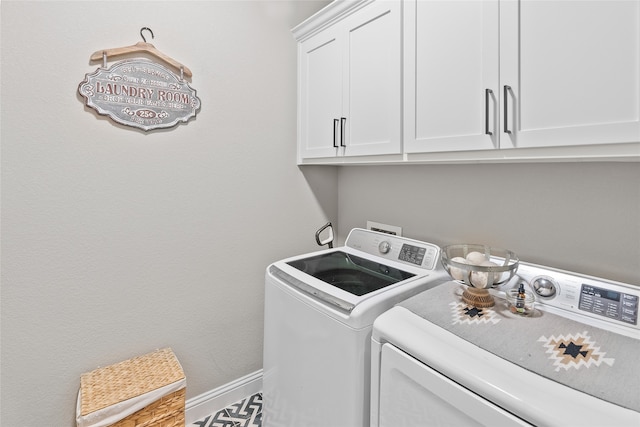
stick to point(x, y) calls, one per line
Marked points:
point(605, 300)
point(608, 303)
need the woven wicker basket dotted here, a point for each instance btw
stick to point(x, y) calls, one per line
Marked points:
point(130, 381)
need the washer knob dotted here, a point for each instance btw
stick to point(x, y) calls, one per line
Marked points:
point(384, 247)
point(544, 286)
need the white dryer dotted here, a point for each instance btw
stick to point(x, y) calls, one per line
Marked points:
point(319, 312)
point(573, 362)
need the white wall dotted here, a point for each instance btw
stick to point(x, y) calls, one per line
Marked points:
point(581, 217)
point(116, 242)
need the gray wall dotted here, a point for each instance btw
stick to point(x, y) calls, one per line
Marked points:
point(116, 242)
point(581, 217)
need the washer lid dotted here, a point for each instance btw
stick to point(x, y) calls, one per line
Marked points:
point(340, 278)
point(351, 273)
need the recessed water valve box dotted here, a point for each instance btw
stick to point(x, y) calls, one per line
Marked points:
point(384, 228)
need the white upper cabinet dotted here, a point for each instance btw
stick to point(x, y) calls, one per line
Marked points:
point(402, 81)
point(320, 102)
point(350, 83)
point(491, 74)
point(572, 72)
point(451, 75)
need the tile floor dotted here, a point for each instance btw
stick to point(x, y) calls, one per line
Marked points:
point(245, 413)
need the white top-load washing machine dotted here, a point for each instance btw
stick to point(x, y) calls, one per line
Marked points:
point(319, 312)
point(574, 361)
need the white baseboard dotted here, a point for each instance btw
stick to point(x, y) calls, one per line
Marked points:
point(214, 400)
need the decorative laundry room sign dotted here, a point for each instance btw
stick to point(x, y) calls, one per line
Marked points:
point(140, 93)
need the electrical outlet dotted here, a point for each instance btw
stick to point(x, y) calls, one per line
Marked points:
point(384, 228)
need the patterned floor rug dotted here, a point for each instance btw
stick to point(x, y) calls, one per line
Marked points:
point(246, 413)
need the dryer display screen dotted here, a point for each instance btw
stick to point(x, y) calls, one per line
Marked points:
point(611, 304)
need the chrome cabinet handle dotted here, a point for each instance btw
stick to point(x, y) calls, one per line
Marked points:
point(487, 95)
point(506, 108)
point(335, 133)
point(343, 126)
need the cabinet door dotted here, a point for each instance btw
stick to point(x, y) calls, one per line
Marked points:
point(372, 80)
point(451, 59)
point(320, 92)
point(572, 68)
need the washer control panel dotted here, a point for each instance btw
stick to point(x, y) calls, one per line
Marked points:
point(400, 249)
point(602, 299)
